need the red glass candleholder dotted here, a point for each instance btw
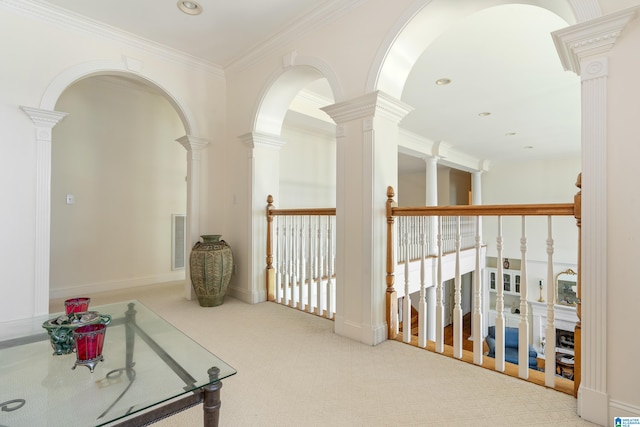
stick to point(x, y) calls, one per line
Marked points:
point(89, 340)
point(76, 305)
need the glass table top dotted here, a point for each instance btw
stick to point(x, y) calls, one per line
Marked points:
point(157, 363)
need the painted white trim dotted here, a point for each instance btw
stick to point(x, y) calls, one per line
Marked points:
point(66, 19)
point(44, 121)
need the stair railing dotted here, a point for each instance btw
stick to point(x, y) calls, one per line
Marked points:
point(398, 236)
point(301, 258)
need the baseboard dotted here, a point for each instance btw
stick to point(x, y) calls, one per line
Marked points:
point(115, 285)
point(621, 409)
point(593, 406)
point(250, 297)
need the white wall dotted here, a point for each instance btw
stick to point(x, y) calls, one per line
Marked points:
point(623, 174)
point(307, 169)
point(116, 154)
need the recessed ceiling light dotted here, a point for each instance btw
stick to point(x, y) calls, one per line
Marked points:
point(484, 114)
point(510, 134)
point(190, 7)
point(443, 81)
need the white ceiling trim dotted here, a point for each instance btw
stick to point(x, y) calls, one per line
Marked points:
point(326, 13)
point(69, 20)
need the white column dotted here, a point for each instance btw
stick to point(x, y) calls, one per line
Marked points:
point(194, 146)
point(44, 120)
point(264, 167)
point(476, 188)
point(582, 49)
point(367, 152)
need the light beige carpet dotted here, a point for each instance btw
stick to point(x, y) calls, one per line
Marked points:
point(294, 371)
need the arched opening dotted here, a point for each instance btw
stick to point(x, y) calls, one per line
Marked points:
point(43, 184)
point(116, 230)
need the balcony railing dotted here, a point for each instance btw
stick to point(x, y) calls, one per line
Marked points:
point(301, 258)
point(408, 232)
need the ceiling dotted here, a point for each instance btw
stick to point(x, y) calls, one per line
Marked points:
point(501, 61)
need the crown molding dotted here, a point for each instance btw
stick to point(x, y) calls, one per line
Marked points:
point(327, 12)
point(68, 20)
point(593, 37)
point(372, 104)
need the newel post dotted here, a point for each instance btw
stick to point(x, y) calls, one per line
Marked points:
point(271, 274)
point(577, 212)
point(392, 296)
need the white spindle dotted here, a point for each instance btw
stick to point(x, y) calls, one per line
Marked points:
point(406, 301)
point(422, 306)
point(301, 265)
point(310, 262)
point(499, 329)
point(278, 262)
point(286, 262)
point(523, 333)
point(550, 335)
point(476, 324)
point(330, 309)
point(439, 302)
point(319, 261)
point(457, 301)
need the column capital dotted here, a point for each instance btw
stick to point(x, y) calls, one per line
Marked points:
point(264, 140)
point(45, 120)
point(373, 104)
point(193, 143)
point(594, 37)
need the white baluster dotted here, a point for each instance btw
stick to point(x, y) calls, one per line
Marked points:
point(523, 333)
point(550, 335)
point(330, 308)
point(439, 302)
point(301, 266)
point(278, 261)
point(406, 302)
point(422, 306)
point(477, 331)
point(499, 329)
point(319, 262)
point(310, 261)
point(457, 302)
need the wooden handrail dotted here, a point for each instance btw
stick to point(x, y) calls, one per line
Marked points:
point(302, 211)
point(555, 209)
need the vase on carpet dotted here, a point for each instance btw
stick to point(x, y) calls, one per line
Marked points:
point(211, 264)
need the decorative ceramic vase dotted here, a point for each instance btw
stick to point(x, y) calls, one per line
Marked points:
point(211, 264)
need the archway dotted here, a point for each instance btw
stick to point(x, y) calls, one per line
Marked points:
point(118, 189)
point(266, 141)
point(45, 118)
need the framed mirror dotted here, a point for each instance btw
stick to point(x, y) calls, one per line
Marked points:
point(567, 288)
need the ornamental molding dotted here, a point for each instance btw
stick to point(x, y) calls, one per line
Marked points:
point(193, 143)
point(373, 104)
point(594, 37)
point(262, 140)
point(44, 118)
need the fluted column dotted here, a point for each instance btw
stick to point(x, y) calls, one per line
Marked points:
point(367, 151)
point(194, 146)
point(583, 48)
point(44, 120)
point(264, 166)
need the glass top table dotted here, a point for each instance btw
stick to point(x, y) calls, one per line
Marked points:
point(150, 370)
